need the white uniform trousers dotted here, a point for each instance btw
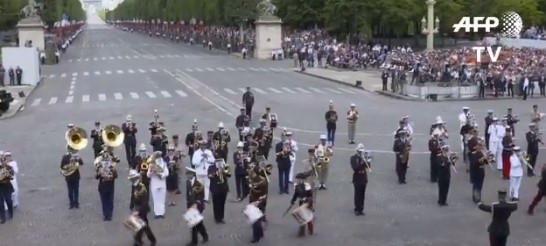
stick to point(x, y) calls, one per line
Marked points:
point(462, 143)
point(291, 174)
point(204, 179)
point(515, 183)
point(158, 197)
point(498, 156)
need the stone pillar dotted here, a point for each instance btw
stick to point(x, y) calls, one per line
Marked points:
point(31, 29)
point(430, 25)
point(268, 36)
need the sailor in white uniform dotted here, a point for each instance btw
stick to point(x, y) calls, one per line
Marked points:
point(294, 148)
point(516, 173)
point(158, 185)
point(202, 159)
point(462, 121)
point(495, 141)
point(13, 164)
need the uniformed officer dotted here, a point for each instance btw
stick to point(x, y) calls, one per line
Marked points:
point(304, 192)
point(499, 229)
point(130, 130)
point(160, 141)
point(139, 197)
point(241, 122)
point(488, 122)
point(541, 191)
point(401, 149)
point(141, 166)
point(96, 135)
point(6, 191)
point(195, 195)
point(533, 138)
point(241, 182)
point(73, 180)
point(219, 189)
point(191, 139)
point(248, 102)
point(172, 160)
point(258, 196)
point(477, 173)
point(435, 150)
point(222, 136)
point(106, 176)
point(360, 168)
point(352, 117)
point(331, 118)
point(444, 175)
point(282, 150)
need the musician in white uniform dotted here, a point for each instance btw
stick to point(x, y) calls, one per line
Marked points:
point(202, 160)
point(495, 141)
point(13, 164)
point(294, 149)
point(516, 173)
point(322, 150)
point(407, 125)
point(462, 121)
point(158, 185)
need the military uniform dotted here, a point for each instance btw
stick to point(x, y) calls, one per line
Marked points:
point(499, 229)
point(477, 173)
point(241, 182)
point(434, 148)
point(444, 176)
point(352, 123)
point(399, 149)
point(219, 137)
point(195, 195)
point(130, 130)
point(106, 191)
point(6, 191)
point(219, 189)
point(241, 122)
point(304, 192)
point(488, 122)
point(72, 181)
point(360, 179)
point(532, 148)
point(96, 135)
point(139, 197)
point(258, 194)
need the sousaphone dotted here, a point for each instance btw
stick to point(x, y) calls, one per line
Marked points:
point(112, 136)
point(76, 138)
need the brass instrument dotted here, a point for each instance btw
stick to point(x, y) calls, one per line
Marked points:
point(253, 145)
point(70, 168)
point(197, 188)
point(112, 136)
point(368, 158)
point(76, 138)
point(152, 162)
point(352, 115)
point(106, 170)
point(196, 139)
point(406, 152)
point(6, 172)
point(524, 158)
point(222, 170)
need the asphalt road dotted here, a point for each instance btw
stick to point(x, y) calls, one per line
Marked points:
point(184, 83)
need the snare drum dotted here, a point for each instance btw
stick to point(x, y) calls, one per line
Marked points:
point(252, 213)
point(273, 121)
point(193, 217)
point(302, 214)
point(134, 224)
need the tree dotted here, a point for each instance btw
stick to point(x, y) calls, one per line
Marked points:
point(11, 13)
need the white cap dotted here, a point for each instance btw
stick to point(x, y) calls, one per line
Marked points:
point(439, 120)
point(221, 125)
point(129, 118)
point(142, 147)
point(322, 136)
point(490, 111)
point(331, 101)
point(353, 105)
point(532, 125)
point(436, 132)
point(360, 147)
point(516, 148)
point(284, 129)
point(495, 119)
point(288, 133)
point(405, 117)
point(466, 108)
point(70, 125)
point(7, 153)
point(133, 174)
point(240, 144)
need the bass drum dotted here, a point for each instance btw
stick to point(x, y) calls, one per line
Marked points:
point(193, 217)
point(252, 213)
point(302, 214)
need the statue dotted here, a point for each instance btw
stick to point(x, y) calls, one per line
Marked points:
point(266, 8)
point(31, 9)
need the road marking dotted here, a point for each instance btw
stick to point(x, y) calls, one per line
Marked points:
point(274, 90)
point(63, 75)
point(86, 59)
point(231, 69)
point(70, 92)
point(181, 93)
point(302, 90)
point(136, 57)
point(85, 73)
point(241, 69)
point(69, 99)
point(316, 90)
point(260, 91)
point(345, 90)
point(150, 94)
point(332, 90)
point(230, 91)
point(254, 69)
point(127, 57)
point(210, 69)
point(189, 70)
point(94, 59)
point(142, 70)
point(103, 58)
point(288, 90)
point(72, 86)
point(108, 72)
point(52, 100)
point(36, 102)
point(134, 95)
point(243, 90)
point(153, 70)
point(111, 58)
point(119, 71)
point(70, 60)
point(176, 55)
point(263, 69)
point(102, 97)
point(52, 76)
point(274, 69)
point(161, 56)
point(131, 71)
point(166, 94)
point(97, 72)
point(119, 57)
point(118, 96)
point(170, 56)
point(85, 98)
point(199, 69)
point(220, 69)
point(78, 60)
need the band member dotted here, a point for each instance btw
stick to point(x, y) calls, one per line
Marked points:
point(195, 193)
point(267, 116)
point(536, 117)
point(352, 117)
point(516, 173)
point(160, 141)
point(465, 132)
point(402, 149)
point(241, 183)
point(210, 142)
point(463, 118)
point(304, 192)
point(70, 163)
point(106, 174)
point(445, 163)
point(179, 154)
point(222, 139)
point(173, 164)
point(499, 229)
point(311, 172)
point(248, 102)
point(258, 196)
point(139, 197)
point(507, 145)
point(96, 135)
point(541, 191)
point(264, 136)
point(141, 165)
point(242, 121)
point(218, 175)
point(202, 160)
point(130, 130)
point(400, 128)
point(6, 190)
point(15, 167)
point(191, 139)
point(488, 122)
point(511, 121)
point(323, 153)
point(158, 172)
point(533, 137)
point(293, 150)
point(284, 164)
point(478, 161)
point(361, 166)
point(496, 133)
point(331, 122)
point(435, 150)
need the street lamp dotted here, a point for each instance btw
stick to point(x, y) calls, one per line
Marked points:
point(430, 26)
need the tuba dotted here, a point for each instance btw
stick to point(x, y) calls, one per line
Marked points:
point(152, 162)
point(71, 168)
point(112, 136)
point(76, 138)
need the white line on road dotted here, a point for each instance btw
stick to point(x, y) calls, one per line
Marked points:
point(316, 90)
point(274, 90)
point(85, 98)
point(103, 58)
point(220, 69)
point(263, 69)
point(176, 55)
point(69, 99)
point(52, 100)
point(111, 58)
point(153, 70)
point(70, 92)
point(63, 75)
point(243, 90)
point(118, 96)
point(36, 102)
point(74, 74)
point(231, 69)
point(70, 60)
point(52, 76)
point(97, 72)
point(127, 57)
point(119, 57)
point(210, 69)
point(166, 94)
point(345, 90)
point(170, 56)
point(241, 69)
point(108, 72)
point(86, 59)
point(150, 94)
point(332, 90)
point(161, 56)
point(230, 91)
point(189, 70)
point(199, 70)
point(288, 90)
point(136, 57)
point(260, 91)
point(134, 95)
point(102, 97)
point(142, 71)
point(85, 73)
point(95, 59)
point(72, 86)
point(254, 69)
point(119, 71)
point(302, 90)
point(131, 71)
point(181, 93)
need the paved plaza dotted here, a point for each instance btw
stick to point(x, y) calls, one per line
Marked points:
point(94, 82)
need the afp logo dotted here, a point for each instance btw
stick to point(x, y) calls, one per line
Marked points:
point(512, 24)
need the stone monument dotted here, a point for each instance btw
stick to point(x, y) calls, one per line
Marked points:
point(268, 30)
point(31, 28)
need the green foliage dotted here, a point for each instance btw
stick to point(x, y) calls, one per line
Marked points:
point(54, 9)
point(10, 13)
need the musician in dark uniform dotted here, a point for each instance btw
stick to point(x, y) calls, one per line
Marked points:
point(282, 150)
point(511, 121)
point(223, 139)
point(160, 141)
point(258, 195)
point(72, 180)
point(360, 178)
point(96, 135)
point(248, 102)
point(304, 192)
point(106, 189)
point(477, 173)
point(401, 128)
point(219, 189)
point(444, 175)
point(401, 149)
point(435, 150)
point(260, 137)
point(533, 138)
point(195, 196)
point(331, 118)
point(241, 122)
point(173, 164)
point(191, 139)
point(488, 122)
point(541, 191)
point(130, 130)
point(6, 190)
point(241, 182)
point(142, 166)
point(139, 197)
point(499, 229)
point(471, 145)
point(465, 132)
point(507, 145)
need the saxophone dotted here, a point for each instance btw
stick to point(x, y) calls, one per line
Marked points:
point(406, 151)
